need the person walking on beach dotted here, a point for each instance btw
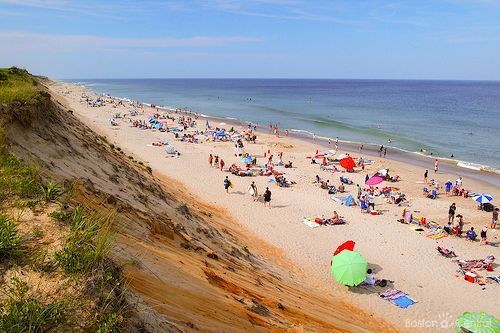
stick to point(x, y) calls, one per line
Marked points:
point(380, 151)
point(227, 184)
point(252, 190)
point(222, 164)
point(385, 151)
point(361, 148)
point(210, 159)
point(451, 213)
point(436, 166)
point(494, 219)
point(426, 173)
point(267, 197)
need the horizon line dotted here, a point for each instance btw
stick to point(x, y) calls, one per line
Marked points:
point(273, 78)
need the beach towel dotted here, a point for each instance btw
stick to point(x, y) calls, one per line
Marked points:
point(397, 297)
point(403, 302)
point(310, 222)
point(494, 278)
point(391, 294)
point(340, 200)
point(493, 244)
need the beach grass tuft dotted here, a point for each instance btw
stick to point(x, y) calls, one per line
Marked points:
point(10, 241)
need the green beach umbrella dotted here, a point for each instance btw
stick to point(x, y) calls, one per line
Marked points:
point(349, 268)
point(477, 322)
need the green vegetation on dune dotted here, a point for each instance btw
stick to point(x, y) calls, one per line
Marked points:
point(99, 305)
point(17, 85)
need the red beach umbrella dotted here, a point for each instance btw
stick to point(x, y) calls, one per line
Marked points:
point(348, 163)
point(375, 180)
point(349, 245)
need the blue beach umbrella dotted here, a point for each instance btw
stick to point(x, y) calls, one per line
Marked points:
point(482, 198)
point(247, 159)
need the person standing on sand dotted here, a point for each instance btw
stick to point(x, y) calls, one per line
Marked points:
point(227, 184)
point(222, 164)
point(380, 151)
point(426, 173)
point(252, 190)
point(451, 212)
point(484, 240)
point(361, 148)
point(210, 159)
point(436, 166)
point(494, 219)
point(267, 197)
point(385, 151)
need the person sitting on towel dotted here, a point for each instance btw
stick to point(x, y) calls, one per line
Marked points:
point(471, 234)
point(370, 280)
point(341, 188)
point(448, 228)
point(335, 218)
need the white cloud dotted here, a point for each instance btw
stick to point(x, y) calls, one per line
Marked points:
point(59, 42)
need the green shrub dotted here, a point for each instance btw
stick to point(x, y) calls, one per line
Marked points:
point(22, 312)
point(10, 242)
point(109, 323)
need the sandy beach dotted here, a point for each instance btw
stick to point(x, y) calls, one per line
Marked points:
point(394, 250)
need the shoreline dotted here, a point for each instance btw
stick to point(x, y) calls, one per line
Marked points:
point(484, 173)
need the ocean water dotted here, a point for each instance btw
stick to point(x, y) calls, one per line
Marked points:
point(442, 117)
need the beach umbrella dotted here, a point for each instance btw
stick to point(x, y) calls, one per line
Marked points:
point(477, 322)
point(348, 163)
point(349, 245)
point(349, 268)
point(170, 149)
point(247, 159)
point(482, 198)
point(375, 180)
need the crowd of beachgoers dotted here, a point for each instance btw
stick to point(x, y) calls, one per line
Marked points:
point(347, 178)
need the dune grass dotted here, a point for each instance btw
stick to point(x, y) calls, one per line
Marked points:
point(87, 243)
point(16, 178)
point(17, 85)
point(23, 311)
point(10, 241)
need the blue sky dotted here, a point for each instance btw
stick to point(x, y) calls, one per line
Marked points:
point(421, 39)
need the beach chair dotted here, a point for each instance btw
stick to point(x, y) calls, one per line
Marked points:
point(445, 252)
